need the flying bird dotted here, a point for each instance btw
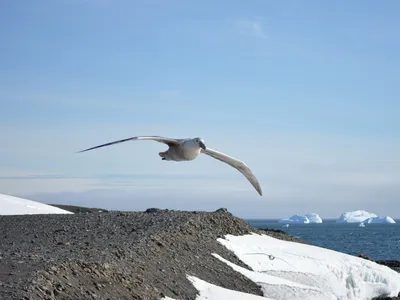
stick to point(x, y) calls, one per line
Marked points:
point(188, 149)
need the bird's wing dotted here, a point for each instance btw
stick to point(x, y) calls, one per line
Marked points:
point(239, 165)
point(159, 139)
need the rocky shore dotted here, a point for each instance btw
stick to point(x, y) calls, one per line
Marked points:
point(120, 255)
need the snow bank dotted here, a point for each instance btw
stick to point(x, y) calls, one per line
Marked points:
point(378, 220)
point(359, 216)
point(289, 270)
point(10, 205)
point(208, 291)
point(299, 219)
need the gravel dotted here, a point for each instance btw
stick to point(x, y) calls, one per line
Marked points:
point(119, 255)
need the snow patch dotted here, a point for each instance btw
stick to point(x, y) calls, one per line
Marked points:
point(209, 291)
point(10, 205)
point(286, 270)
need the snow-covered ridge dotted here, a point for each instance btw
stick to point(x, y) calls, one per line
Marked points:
point(10, 205)
point(359, 216)
point(289, 270)
point(300, 219)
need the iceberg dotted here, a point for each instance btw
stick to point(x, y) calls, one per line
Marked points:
point(314, 218)
point(296, 219)
point(359, 216)
point(299, 219)
point(10, 205)
point(378, 220)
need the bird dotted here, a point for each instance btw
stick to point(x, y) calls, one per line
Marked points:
point(188, 149)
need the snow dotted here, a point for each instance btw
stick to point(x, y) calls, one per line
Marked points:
point(209, 291)
point(10, 205)
point(289, 270)
point(378, 220)
point(309, 272)
point(359, 216)
point(299, 219)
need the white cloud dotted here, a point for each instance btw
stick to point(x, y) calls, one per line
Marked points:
point(252, 27)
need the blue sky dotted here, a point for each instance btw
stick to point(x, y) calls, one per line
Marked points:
point(306, 93)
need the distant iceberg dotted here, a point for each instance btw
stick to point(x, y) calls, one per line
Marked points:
point(299, 219)
point(314, 218)
point(359, 216)
point(378, 220)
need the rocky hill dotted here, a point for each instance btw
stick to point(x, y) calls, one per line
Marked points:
point(119, 255)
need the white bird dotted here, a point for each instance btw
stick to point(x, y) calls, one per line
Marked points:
point(188, 149)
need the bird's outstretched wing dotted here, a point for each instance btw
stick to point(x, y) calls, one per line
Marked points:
point(239, 165)
point(159, 139)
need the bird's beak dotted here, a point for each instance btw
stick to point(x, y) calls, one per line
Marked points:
point(201, 144)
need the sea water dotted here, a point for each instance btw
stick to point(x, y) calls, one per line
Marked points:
point(377, 241)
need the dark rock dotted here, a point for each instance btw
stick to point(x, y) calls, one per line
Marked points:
point(393, 264)
point(153, 210)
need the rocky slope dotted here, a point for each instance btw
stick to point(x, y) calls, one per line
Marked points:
point(118, 255)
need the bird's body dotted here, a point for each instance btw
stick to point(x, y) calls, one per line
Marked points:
point(189, 149)
point(185, 150)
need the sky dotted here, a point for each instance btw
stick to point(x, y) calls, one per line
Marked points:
point(305, 93)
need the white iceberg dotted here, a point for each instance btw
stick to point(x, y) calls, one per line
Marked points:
point(378, 220)
point(314, 218)
point(296, 219)
point(10, 205)
point(299, 219)
point(359, 216)
point(288, 270)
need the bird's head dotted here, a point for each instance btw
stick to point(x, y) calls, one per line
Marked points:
point(200, 143)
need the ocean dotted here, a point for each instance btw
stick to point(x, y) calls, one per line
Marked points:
point(377, 241)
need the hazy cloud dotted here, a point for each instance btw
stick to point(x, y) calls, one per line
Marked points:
point(299, 173)
point(253, 27)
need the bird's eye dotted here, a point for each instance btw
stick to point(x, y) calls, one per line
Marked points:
point(197, 140)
